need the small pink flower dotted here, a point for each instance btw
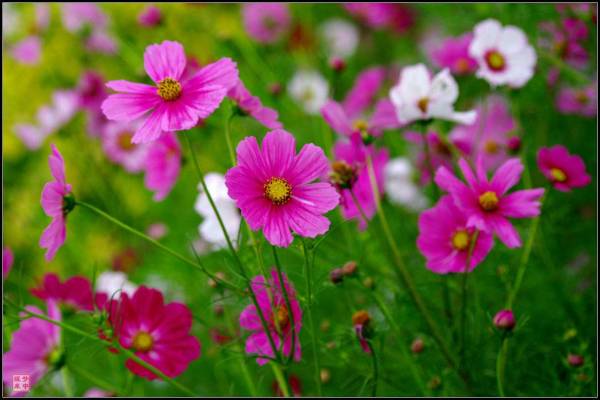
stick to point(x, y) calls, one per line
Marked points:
point(32, 136)
point(439, 153)
point(7, 261)
point(28, 50)
point(100, 41)
point(504, 319)
point(116, 142)
point(252, 106)
point(397, 17)
point(57, 202)
point(75, 292)
point(564, 40)
point(266, 22)
point(272, 187)
point(583, 101)
point(564, 170)
point(453, 53)
point(91, 93)
point(487, 203)
point(157, 333)
point(76, 16)
point(270, 297)
point(150, 16)
point(95, 392)
point(34, 349)
point(173, 104)
point(444, 239)
point(361, 320)
point(163, 163)
point(157, 230)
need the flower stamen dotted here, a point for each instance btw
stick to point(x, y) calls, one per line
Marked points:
point(169, 89)
point(495, 60)
point(558, 175)
point(461, 240)
point(278, 190)
point(143, 342)
point(488, 201)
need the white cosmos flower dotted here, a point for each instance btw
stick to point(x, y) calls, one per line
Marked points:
point(210, 229)
point(110, 282)
point(503, 53)
point(310, 89)
point(340, 36)
point(400, 187)
point(418, 97)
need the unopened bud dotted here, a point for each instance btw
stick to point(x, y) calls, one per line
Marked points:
point(342, 174)
point(325, 375)
point(275, 88)
point(336, 276)
point(514, 144)
point(417, 345)
point(349, 269)
point(325, 325)
point(369, 282)
point(434, 382)
point(337, 64)
point(575, 360)
point(361, 317)
point(219, 309)
point(505, 320)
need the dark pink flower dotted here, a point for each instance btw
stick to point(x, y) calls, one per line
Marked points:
point(564, 170)
point(564, 40)
point(75, 292)
point(439, 153)
point(444, 239)
point(28, 50)
point(252, 106)
point(163, 163)
point(487, 203)
point(504, 319)
point(266, 22)
point(7, 261)
point(581, 101)
point(397, 17)
point(270, 297)
point(453, 53)
point(173, 104)
point(361, 320)
point(150, 16)
point(272, 187)
point(42, 16)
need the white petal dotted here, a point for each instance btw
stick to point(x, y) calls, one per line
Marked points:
point(512, 40)
point(444, 87)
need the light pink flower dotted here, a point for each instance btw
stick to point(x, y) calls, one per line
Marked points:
point(76, 16)
point(444, 239)
point(272, 187)
point(270, 298)
point(75, 292)
point(95, 392)
point(453, 53)
point(32, 136)
point(252, 106)
point(163, 163)
point(581, 101)
point(34, 348)
point(439, 153)
point(57, 202)
point(100, 41)
point(7, 261)
point(157, 230)
point(397, 17)
point(28, 50)
point(266, 22)
point(564, 170)
point(173, 104)
point(116, 142)
point(487, 203)
point(42, 16)
point(150, 16)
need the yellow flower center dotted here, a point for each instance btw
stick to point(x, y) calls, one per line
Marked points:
point(495, 60)
point(361, 317)
point(488, 201)
point(558, 175)
point(281, 317)
point(124, 141)
point(342, 174)
point(143, 342)
point(278, 190)
point(582, 97)
point(422, 104)
point(461, 240)
point(169, 89)
point(307, 95)
point(360, 125)
point(491, 147)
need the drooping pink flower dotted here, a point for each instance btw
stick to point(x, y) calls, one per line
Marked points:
point(157, 333)
point(487, 203)
point(7, 261)
point(444, 239)
point(57, 202)
point(453, 53)
point(361, 320)
point(252, 106)
point(488, 136)
point(566, 171)
point(353, 155)
point(75, 292)
point(439, 153)
point(271, 301)
point(272, 187)
point(266, 22)
point(163, 163)
point(397, 17)
point(150, 16)
point(34, 348)
point(173, 104)
point(116, 142)
point(578, 101)
point(28, 50)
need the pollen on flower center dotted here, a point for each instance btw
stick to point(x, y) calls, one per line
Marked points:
point(558, 175)
point(281, 317)
point(422, 104)
point(143, 341)
point(169, 89)
point(124, 141)
point(582, 97)
point(278, 190)
point(491, 147)
point(360, 125)
point(308, 95)
point(495, 60)
point(488, 201)
point(342, 174)
point(461, 240)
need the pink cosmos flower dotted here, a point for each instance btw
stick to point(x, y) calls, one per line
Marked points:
point(504, 319)
point(75, 292)
point(116, 142)
point(453, 53)
point(444, 239)
point(270, 297)
point(252, 106)
point(439, 153)
point(564, 170)
point(272, 187)
point(157, 230)
point(76, 16)
point(42, 16)
point(57, 202)
point(90, 94)
point(397, 17)
point(34, 349)
point(487, 203)
point(100, 41)
point(266, 22)
point(352, 156)
point(7, 261)
point(158, 333)
point(173, 104)
point(28, 50)
point(348, 117)
point(488, 136)
point(564, 40)
point(163, 163)
point(150, 16)
point(582, 101)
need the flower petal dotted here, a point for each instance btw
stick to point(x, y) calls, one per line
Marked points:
point(165, 60)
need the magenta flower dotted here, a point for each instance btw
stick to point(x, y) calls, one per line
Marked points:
point(349, 117)
point(564, 170)
point(150, 16)
point(488, 136)
point(74, 293)
point(396, 17)
point(28, 50)
point(34, 348)
point(163, 163)
point(272, 187)
point(57, 202)
point(91, 93)
point(353, 155)
point(7, 261)
point(266, 22)
point(582, 101)
point(116, 142)
point(505, 320)
point(564, 40)
point(444, 239)
point(270, 297)
point(453, 53)
point(173, 104)
point(439, 153)
point(251, 105)
point(487, 203)
point(158, 333)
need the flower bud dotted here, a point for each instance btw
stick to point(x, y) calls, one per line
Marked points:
point(361, 317)
point(349, 269)
point(337, 64)
point(514, 144)
point(369, 282)
point(575, 360)
point(219, 309)
point(434, 382)
point(505, 320)
point(417, 345)
point(275, 88)
point(336, 276)
point(325, 375)
point(342, 174)
point(325, 325)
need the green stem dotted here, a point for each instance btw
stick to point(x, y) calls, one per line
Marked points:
point(375, 368)
point(288, 306)
point(523, 263)
point(228, 137)
point(563, 66)
point(313, 332)
point(500, 364)
point(463, 313)
point(283, 383)
point(66, 384)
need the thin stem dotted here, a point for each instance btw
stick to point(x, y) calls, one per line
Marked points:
point(66, 384)
point(358, 206)
point(288, 306)
point(375, 368)
point(533, 227)
point(563, 66)
point(228, 119)
point(283, 383)
point(500, 364)
point(313, 332)
point(463, 313)
point(428, 162)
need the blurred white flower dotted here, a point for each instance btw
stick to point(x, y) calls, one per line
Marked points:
point(10, 19)
point(310, 89)
point(503, 53)
point(341, 37)
point(419, 97)
point(110, 282)
point(400, 187)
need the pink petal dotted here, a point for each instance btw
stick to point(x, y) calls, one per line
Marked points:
point(319, 197)
point(276, 229)
point(151, 129)
point(223, 73)
point(309, 165)
point(249, 319)
point(365, 88)
point(336, 118)
point(304, 222)
point(131, 87)
point(53, 237)
point(165, 60)
point(522, 204)
point(128, 107)
point(57, 165)
point(278, 151)
point(505, 230)
point(507, 175)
